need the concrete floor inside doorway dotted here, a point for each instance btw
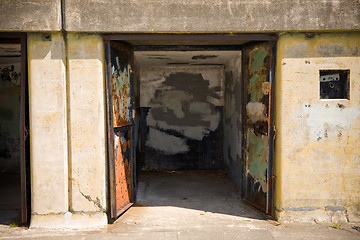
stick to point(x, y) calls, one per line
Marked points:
point(190, 205)
point(183, 199)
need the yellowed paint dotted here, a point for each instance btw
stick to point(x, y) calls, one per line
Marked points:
point(317, 145)
point(86, 96)
point(67, 122)
point(47, 110)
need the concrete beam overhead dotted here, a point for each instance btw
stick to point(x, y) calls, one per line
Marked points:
point(211, 16)
point(30, 15)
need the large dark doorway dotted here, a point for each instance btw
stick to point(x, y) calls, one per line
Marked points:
point(14, 134)
point(193, 98)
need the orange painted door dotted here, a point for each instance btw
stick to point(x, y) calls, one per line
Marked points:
point(120, 101)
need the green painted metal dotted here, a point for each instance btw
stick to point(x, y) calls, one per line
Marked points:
point(256, 71)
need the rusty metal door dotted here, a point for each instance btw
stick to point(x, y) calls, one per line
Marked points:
point(120, 101)
point(258, 75)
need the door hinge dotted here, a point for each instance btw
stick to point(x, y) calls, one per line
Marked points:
point(274, 133)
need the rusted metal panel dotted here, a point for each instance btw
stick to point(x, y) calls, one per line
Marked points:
point(123, 158)
point(256, 73)
point(122, 96)
point(120, 100)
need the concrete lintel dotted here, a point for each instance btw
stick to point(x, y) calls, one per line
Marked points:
point(80, 221)
point(30, 15)
point(198, 16)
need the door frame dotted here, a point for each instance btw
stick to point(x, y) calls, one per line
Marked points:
point(21, 38)
point(158, 40)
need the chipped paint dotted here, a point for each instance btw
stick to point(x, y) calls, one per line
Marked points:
point(317, 145)
point(256, 112)
point(257, 157)
point(256, 79)
point(121, 93)
point(122, 164)
point(122, 158)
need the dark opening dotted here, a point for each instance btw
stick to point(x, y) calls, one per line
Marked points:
point(334, 84)
point(188, 128)
point(13, 124)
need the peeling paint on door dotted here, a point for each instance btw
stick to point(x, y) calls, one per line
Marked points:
point(121, 120)
point(121, 93)
point(256, 62)
point(257, 157)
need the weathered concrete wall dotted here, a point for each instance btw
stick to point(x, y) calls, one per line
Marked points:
point(186, 15)
point(87, 123)
point(198, 15)
point(67, 122)
point(10, 109)
point(317, 144)
point(48, 138)
point(232, 120)
point(30, 15)
point(184, 119)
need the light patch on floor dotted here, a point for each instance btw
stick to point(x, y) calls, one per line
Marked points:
point(180, 200)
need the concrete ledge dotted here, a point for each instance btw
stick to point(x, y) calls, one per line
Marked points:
point(82, 221)
point(206, 15)
point(30, 15)
point(317, 215)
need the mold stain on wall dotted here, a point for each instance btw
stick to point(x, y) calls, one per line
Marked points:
point(183, 118)
point(232, 120)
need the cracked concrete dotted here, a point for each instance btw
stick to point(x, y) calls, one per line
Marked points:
point(96, 202)
point(191, 205)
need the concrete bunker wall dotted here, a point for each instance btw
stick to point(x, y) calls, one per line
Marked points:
point(317, 145)
point(67, 122)
point(186, 16)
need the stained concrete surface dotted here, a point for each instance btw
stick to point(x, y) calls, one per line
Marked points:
point(190, 205)
point(198, 15)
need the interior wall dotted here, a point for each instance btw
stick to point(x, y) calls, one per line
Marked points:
point(10, 108)
point(232, 120)
point(181, 125)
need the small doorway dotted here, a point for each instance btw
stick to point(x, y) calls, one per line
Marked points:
point(14, 134)
point(174, 101)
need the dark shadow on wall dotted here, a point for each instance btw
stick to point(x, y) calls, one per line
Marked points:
point(182, 129)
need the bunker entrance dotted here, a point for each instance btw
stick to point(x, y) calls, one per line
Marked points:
point(13, 194)
point(197, 114)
